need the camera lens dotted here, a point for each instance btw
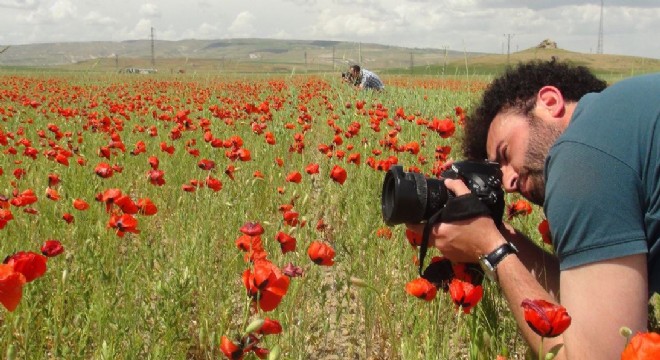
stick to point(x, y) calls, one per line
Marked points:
point(410, 197)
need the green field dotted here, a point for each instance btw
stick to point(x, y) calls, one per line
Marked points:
point(175, 288)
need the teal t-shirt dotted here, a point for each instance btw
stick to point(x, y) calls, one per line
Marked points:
point(603, 178)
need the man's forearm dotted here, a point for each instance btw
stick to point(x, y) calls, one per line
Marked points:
point(540, 263)
point(518, 284)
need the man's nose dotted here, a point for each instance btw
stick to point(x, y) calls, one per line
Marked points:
point(509, 179)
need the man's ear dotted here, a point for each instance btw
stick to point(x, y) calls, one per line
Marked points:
point(550, 99)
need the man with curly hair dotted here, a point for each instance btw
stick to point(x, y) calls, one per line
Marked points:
point(590, 155)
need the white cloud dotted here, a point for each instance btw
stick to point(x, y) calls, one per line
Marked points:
point(95, 18)
point(141, 30)
point(242, 25)
point(18, 4)
point(150, 10)
point(62, 9)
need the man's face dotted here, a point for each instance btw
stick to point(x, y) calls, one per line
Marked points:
point(520, 143)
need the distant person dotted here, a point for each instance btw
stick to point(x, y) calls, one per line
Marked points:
point(365, 79)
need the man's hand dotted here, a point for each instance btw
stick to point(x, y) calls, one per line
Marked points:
point(464, 240)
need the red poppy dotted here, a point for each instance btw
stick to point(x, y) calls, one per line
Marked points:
point(126, 205)
point(258, 174)
point(321, 225)
point(213, 183)
point(321, 253)
point(5, 217)
point(545, 318)
point(80, 204)
point(252, 228)
point(644, 345)
point(270, 138)
point(52, 248)
point(229, 171)
point(520, 207)
point(287, 242)
point(68, 218)
point(167, 148)
point(465, 294)
point(544, 229)
point(267, 284)
point(153, 162)
point(294, 177)
point(312, 169)
point(338, 174)
point(230, 349)
point(123, 224)
point(11, 287)
point(270, 327)
point(19, 173)
point(156, 177)
point(52, 194)
point(414, 238)
point(25, 198)
point(28, 263)
point(445, 127)
point(146, 207)
point(103, 170)
point(384, 232)
point(53, 180)
point(206, 164)
point(421, 288)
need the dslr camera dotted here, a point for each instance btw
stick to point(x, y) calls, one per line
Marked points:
point(348, 77)
point(410, 197)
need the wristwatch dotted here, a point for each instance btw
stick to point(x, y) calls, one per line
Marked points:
point(490, 261)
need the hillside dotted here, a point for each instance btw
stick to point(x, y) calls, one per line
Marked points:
point(604, 64)
point(290, 56)
point(229, 54)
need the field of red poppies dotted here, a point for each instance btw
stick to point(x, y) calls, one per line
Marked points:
point(176, 217)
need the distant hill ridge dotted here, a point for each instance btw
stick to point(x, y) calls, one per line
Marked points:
point(52, 54)
point(249, 55)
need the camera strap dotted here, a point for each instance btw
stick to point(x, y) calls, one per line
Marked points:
point(457, 208)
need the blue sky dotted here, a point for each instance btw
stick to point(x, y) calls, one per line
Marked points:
point(629, 27)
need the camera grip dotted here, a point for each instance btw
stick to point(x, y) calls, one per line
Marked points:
point(464, 207)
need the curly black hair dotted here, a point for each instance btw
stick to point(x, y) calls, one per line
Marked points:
point(517, 88)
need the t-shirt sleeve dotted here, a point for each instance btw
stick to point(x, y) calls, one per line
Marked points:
point(593, 205)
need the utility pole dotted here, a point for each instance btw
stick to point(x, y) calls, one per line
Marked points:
point(360, 54)
point(508, 46)
point(599, 48)
point(412, 63)
point(153, 56)
point(333, 58)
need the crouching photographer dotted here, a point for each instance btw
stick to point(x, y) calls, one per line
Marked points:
point(588, 154)
point(362, 78)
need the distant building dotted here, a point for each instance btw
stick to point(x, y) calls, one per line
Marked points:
point(132, 70)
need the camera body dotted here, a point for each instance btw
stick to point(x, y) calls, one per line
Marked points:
point(348, 77)
point(409, 197)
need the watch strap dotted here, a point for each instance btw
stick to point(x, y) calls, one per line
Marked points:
point(497, 255)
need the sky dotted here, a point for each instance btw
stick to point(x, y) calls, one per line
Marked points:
point(630, 27)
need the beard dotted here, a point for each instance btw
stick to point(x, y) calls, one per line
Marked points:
point(541, 137)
